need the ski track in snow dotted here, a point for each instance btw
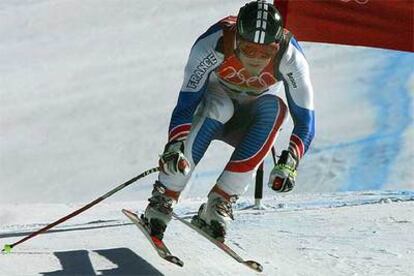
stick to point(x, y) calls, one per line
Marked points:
point(326, 234)
point(189, 207)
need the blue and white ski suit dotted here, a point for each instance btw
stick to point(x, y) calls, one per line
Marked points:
point(220, 100)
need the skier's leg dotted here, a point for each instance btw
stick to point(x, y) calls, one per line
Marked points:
point(269, 112)
point(215, 110)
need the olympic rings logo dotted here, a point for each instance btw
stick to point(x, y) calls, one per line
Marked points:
point(264, 80)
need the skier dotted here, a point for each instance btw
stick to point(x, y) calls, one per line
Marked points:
point(233, 75)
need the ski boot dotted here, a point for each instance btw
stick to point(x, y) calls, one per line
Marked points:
point(214, 216)
point(158, 213)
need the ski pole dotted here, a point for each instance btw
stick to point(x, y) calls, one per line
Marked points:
point(274, 155)
point(258, 191)
point(8, 247)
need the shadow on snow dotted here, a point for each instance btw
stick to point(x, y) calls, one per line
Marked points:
point(78, 262)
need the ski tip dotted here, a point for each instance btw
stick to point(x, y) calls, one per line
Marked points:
point(7, 249)
point(254, 265)
point(175, 260)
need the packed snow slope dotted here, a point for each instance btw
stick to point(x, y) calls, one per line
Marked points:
point(86, 92)
point(363, 233)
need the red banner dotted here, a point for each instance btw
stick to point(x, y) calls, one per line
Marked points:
point(374, 23)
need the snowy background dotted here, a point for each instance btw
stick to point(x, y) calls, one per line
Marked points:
point(86, 92)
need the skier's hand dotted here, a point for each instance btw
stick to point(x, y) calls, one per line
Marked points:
point(282, 177)
point(173, 161)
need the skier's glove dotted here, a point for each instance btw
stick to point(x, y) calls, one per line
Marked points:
point(282, 177)
point(173, 161)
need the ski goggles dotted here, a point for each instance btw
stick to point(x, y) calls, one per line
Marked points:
point(259, 51)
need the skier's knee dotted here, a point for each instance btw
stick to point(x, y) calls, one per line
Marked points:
point(269, 105)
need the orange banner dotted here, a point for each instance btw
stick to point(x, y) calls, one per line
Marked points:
point(374, 23)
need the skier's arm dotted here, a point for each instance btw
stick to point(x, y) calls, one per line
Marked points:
point(299, 93)
point(294, 70)
point(202, 61)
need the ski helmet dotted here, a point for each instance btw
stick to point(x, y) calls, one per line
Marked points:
point(260, 22)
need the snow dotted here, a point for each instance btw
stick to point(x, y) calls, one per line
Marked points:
point(367, 233)
point(86, 89)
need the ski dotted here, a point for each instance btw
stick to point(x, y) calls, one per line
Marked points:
point(225, 248)
point(158, 244)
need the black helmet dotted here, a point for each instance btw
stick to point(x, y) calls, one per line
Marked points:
point(260, 22)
